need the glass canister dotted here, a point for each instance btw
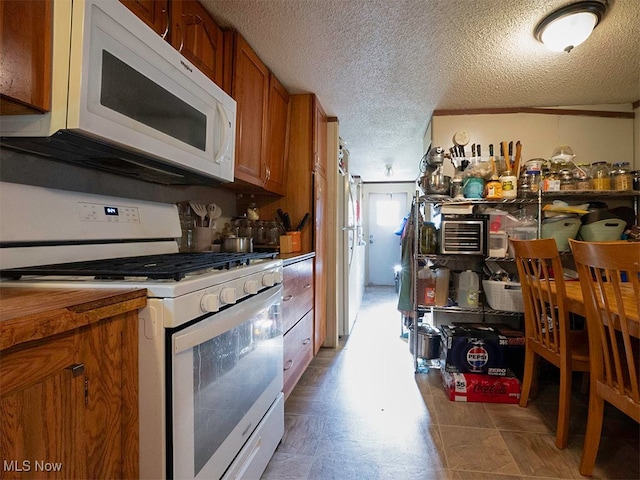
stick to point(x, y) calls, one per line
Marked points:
point(428, 238)
point(567, 181)
point(582, 176)
point(621, 177)
point(600, 176)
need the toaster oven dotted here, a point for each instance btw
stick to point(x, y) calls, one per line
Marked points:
point(464, 234)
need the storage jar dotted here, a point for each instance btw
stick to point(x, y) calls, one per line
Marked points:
point(567, 181)
point(621, 176)
point(428, 238)
point(582, 176)
point(600, 176)
point(426, 286)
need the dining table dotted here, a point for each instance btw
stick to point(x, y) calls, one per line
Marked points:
point(575, 303)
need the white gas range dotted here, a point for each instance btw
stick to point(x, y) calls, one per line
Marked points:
point(210, 338)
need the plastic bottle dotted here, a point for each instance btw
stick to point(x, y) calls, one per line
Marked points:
point(468, 289)
point(426, 286)
point(442, 286)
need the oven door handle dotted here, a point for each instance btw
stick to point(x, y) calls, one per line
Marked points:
point(225, 320)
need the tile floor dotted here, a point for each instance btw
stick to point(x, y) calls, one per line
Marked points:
point(360, 412)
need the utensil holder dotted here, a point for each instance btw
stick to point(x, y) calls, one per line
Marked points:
point(296, 240)
point(201, 239)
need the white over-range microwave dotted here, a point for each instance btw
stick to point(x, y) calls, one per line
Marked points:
point(128, 102)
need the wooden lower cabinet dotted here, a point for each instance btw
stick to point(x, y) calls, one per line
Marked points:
point(298, 313)
point(69, 403)
point(298, 351)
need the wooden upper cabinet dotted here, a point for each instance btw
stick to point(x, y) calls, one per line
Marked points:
point(320, 140)
point(154, 13)
point(262, 119)
point(25, 56)
point(189, 28)
point(277, 137)
point(197, 37)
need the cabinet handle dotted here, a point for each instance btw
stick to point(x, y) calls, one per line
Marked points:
point(181, 37)
point(306, 341)
point(287, 298)
point(288, 365)
point(77, 369)
point(307, 285)
point(165, 15)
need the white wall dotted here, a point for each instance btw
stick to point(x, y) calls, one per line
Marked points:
point(591, 138)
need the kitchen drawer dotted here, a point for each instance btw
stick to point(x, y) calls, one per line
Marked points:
point(297, 291)
point(298, 351)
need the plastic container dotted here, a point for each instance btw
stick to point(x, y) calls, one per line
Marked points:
point(561, 229)
point(493, 189)
point(505, 296)
point(426, 286)
point(607, 230)
point(468, 289)
point(600, 176)
point(509, 185)
point(498, 243)
point(473, 187)
point(442, 286)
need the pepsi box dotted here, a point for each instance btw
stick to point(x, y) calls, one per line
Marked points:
point(472, 349)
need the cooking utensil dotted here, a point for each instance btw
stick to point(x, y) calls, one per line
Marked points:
point(238, 244)
point(214, 212)
point(505, 153)
point(436, 183)
point(518, 157)
point(287, 222)
point(302, 222)
point(199, 210)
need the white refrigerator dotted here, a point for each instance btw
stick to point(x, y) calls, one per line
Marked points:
point(351, 252)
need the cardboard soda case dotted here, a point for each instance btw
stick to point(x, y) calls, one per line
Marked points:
point(473, 350)
point(474, 387)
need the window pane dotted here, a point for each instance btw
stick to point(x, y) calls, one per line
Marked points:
point(387, 213)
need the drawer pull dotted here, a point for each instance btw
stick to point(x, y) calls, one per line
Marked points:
point(307, 285)
point(287, 298)
point(306, 341)
point(288, 364)
point(76, 369)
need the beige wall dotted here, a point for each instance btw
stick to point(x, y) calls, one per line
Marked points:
point(591, 138)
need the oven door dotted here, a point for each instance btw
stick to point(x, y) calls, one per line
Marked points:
point(226, 371)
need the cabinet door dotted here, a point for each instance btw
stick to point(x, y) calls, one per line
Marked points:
point(320, 247)
point(277, 137)
point(109, 351)
point(154, 13)
point(42, 405)
point(250, 89)
point(198, 37)
point(320, 139)
point(25, 56)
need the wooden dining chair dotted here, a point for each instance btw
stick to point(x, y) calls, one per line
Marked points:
point(609, 277)
point(547, 330)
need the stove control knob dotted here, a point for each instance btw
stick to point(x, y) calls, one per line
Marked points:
point(209, 303)
point(277, 276)
point(228, 295)
point(251, 287)
point(268, 280)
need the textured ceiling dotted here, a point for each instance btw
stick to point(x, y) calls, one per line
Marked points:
point(383, 66)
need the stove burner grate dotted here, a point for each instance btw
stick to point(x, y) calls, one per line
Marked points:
point(155, 267)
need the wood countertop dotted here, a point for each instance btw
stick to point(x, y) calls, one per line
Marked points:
point(28, 314)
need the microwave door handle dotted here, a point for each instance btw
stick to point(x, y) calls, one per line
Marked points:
point(227, 136)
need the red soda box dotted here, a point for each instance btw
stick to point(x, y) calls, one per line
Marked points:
point(474, 387)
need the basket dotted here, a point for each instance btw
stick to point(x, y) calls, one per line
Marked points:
point(506, 296)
